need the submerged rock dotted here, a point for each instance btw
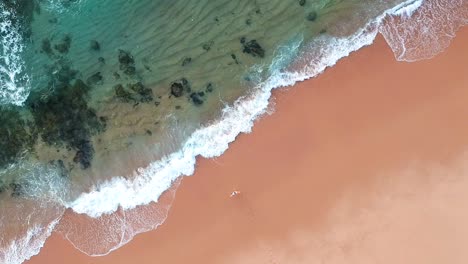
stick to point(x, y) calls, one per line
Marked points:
point(302, 2)
point(253, 48)
point(122, 94)
point(46, 47)
point(196, 98)
point(145, 94)
point(95, 79)
point(125, 58)
point(84, 154)
point(64, 119)
point(136, 93)
point(209, 88)
point(64, 45)
point(129, 70)
point(127, 63)
point(312, 16)
point(234, 57)
point(94, 45)
point(16, 136)
point(186, 61)
point(207, 46)
point(179, 87)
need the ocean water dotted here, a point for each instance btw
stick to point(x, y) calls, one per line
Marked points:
point(105, 104)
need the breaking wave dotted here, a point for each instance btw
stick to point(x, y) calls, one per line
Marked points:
point(13, 81)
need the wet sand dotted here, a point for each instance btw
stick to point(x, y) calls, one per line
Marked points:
point(364, 164)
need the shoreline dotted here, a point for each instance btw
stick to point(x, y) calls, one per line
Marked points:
point(291, 158)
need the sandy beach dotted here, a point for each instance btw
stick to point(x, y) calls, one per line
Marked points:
point(366, 163)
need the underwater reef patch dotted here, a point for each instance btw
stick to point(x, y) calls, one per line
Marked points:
point(16, 136)
point(64, 119)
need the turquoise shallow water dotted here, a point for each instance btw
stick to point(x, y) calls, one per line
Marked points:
point(131, 80)
point(104, 103)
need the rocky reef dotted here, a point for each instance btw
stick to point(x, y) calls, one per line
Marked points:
point(179, 87)
point(127, 63)
point(17, 137)
point(64, 45)
point(134, 93)
point(252, 47)
point(64, 119)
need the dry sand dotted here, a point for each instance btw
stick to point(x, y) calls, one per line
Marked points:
point(364, 164)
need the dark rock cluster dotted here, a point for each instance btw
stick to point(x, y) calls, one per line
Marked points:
point(64, 119)
point(135, 93)
point(179, 87)
point(59, 115)
point(252, 47)
point(312, 16)
point(182, 87)
point(64, 45)
point(122, 94)
point(197, 98)
point(94, 45)
point(127, 63)
point(16, 137)
point(95, 79)
point(207, 46)
point(143, 93)
point(46, 47)
point(209, 88)
point(186, 61)
point(234, 57)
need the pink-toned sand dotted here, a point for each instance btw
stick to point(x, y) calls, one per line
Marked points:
point(364, 164)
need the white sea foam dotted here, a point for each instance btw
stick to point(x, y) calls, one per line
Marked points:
point(13, 82)
point(426, 33)
point(28, 245)
point(213, 140)
point(406, 9)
